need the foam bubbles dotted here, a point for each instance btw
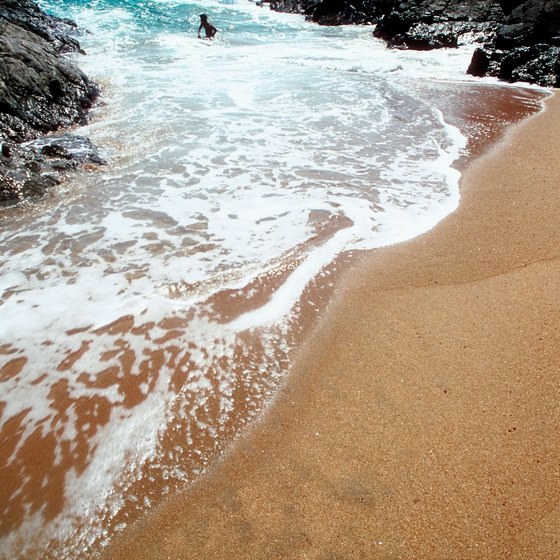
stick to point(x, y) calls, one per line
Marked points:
point(148, 307)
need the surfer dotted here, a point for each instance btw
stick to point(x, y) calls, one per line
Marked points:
point(209, 29)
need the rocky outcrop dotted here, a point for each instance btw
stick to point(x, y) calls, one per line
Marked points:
point(40, 92)
point(336, 12)
point(428, 24)
point(526, 46)
point(519, 39)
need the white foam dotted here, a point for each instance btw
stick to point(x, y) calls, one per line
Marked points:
point(220, 160)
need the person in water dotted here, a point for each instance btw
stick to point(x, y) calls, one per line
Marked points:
point(209, 29)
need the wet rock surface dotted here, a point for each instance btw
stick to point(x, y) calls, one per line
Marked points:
point(518, 40)
point(29, 170)
point(41, 91)
point(526, 46)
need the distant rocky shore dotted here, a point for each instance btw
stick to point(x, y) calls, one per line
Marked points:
point(41, 92)
point(518, 40)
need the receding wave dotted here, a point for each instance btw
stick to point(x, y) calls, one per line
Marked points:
point(151, 309)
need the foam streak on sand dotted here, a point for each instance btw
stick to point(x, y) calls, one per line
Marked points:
point(422, 419)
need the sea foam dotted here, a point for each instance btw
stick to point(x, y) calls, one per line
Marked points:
point(148, 307)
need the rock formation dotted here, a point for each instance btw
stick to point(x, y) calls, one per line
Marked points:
point(40, 92)
point(519, 40)
point(526, 46)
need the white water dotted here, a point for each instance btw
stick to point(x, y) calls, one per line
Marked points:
point(278, 146)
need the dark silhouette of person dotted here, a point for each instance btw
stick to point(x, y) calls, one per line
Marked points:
point(209, 29)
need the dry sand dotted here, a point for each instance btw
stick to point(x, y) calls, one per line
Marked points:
point(422, 420)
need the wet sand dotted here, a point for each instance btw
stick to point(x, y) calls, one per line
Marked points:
point(422, 419)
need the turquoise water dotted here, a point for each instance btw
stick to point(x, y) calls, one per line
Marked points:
point(151, 307)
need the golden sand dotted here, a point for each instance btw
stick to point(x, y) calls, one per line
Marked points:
point(422, 420)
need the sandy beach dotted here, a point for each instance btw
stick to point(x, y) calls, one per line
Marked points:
point(422, 419)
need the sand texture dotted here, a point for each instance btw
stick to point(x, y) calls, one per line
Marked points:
point(422, 420)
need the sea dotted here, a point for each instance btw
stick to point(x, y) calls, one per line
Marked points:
point(151, 308)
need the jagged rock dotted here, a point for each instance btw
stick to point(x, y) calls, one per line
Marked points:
point(27, 15)
point(521, 38)
point(29, 170)
point(79, 149)
point(531, 22)
point(339, 12)
point(537, 63)
point(335, 12)
point(54, 150)
point(527, 44)
point(479, 63)
point(423, 37)
point(509, 5)
point(428, 24)
point(290, 6)
point(20, 175)
point(40, 92)
point(37, 87)
point(14, 129)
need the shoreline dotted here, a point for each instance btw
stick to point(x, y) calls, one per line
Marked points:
point(421, 419)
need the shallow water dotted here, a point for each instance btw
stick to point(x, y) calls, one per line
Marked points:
point(151, 308)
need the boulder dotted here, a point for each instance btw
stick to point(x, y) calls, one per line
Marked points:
point(290, 6)
point(536, 63)
point(37, 87)
point(480, 63)
point(531, 22)
point(336, 12)
point(342, 12)
point(61, 33)
point(29, 170)
point(423, 37)
point(41, 91)
point(21, 176)
point(526, 46)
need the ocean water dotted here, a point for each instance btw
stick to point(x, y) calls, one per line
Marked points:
point(152, 307)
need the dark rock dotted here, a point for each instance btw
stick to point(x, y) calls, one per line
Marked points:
point(423, 36)
point(40, 92)
point(514, 59)
point(427, 24)
point(393, 27)
point(531, 22)
point(336, 12)
point(61, 33)
point(29, 170)
point(68, 146)
point(537, 63)
point(20, 175)
point(333, 12)
point(509, 5)
point(479, 63)
point(290, 6)
point(12, 128)
point(526, 46)
point(521, 38)
point(37, 87)
point(55, 150)
point(339, 12)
